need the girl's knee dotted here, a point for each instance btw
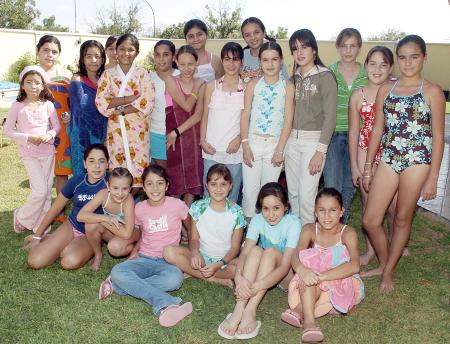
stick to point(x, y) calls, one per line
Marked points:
point(71, 262)
point(118, 248)
point(37, 261)
point(256, 251)
point(272, 251)
point(174, 278)
point(370, 223)
point(170, 253)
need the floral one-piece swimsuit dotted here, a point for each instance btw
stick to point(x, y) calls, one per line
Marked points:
point(407, 139)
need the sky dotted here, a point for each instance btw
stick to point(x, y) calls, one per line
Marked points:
point(325, 18)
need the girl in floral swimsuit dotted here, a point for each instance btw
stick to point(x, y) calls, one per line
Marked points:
point(379, 64)
point(410, 117)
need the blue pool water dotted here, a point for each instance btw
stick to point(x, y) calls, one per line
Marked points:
point(6, 85)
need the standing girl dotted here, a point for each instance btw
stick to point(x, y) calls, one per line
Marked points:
point(215, 234)
point(326, 263)
point(220, 126)
point(254, 34)
point(69, 243)
point(28, 123)
point(146, 275)
point(411, 114)
point(266, 122)
point(183, 114)
point(126, 96)
point(379, 64)
point(87, 125)
point(164, 56)
point(110, 49)
point(48, 51)
point(262, 266)
point(209, 66)
point(115, 225)
point(314, 121)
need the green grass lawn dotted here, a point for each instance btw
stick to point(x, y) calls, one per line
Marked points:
point(57, 306)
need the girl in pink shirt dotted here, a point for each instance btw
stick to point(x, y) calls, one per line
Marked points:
point(32, 122)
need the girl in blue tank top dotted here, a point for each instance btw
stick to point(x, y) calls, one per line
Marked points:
point(411, 115)
point(266, 122)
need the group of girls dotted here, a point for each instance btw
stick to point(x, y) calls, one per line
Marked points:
point(216, 121)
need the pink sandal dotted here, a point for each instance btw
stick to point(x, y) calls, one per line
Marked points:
point(18, 227)
point(173, 314)
point(291, 317)
point(312, 335)
point(106, 289)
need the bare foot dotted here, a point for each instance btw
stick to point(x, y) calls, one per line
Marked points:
point(222, 281)
point(96, 262)
point(406, 252)
point(186, 275)
point(366, 258)
point(387, 284)
point(372, 273)
point(248, 323)
point(230, 324)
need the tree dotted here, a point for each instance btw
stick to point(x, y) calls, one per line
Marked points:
point(50, 25)
point(115, 23)
point(18, 14)
point(282, 33)
point(391, 35)
point(222, 22)
point(173, 31)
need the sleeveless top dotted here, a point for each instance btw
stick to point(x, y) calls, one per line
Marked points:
point(367, 114)
point(267, 113)
point(206, 71)
point(224, 122)
point(407, 137)
point(119, 216)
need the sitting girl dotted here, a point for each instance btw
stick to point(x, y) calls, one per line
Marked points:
point(69, 242)
point(215, 235)
point(262, 266)
point(115, 225)
point(146, 275)
point(326, 281)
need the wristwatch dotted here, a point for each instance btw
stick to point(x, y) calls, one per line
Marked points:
point(121, 109)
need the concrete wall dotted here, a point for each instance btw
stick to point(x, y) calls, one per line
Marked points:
point(15, 43)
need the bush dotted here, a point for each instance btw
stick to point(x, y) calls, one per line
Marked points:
point(15, 69)
point(147, 62)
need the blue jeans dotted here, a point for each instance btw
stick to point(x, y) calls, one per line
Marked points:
point(337, 172)
point(149, 279)
point(236, 174)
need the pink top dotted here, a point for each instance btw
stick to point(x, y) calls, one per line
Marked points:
point(23, 121)
point(161, 226)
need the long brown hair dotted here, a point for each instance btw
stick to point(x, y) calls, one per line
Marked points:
point(45, 93)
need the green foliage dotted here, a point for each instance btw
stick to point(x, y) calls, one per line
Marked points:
point(173, 31)
point(49, 24)
point(18, 14)
point(147, 62)
point(281, 33)
point(15, 69)
point(115, 23)
point(222, 21)
point(390, 35)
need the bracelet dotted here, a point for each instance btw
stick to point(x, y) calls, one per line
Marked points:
point(244, 140)
point(194, 95)
point(37, 237)
point(224, 262)
point(368, 164)
point(367, 176)
point(177, 132)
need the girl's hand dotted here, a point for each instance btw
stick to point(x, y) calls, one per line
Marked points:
point(46, 138)
point(429, 189)
point(30, 242)
point(356, 176)
point(66, 118)
point(35, 140)
point(171, 138)
point(196, 260)
point(277, 159)
point(256, 288)
point(234, 145)
point(310, 278)
point(316, 162)
point(207, 148)
point(209, 270)
point(366, 180)
point(243, 289)
point(248, 155)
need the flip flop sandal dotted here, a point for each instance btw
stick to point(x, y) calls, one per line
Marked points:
point(173, 314)
point(289, 317)
point(221, 332)
point(106, 289)
point(249, 335)
point(312, 335)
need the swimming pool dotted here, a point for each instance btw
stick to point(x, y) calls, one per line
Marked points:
point(8, 86)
